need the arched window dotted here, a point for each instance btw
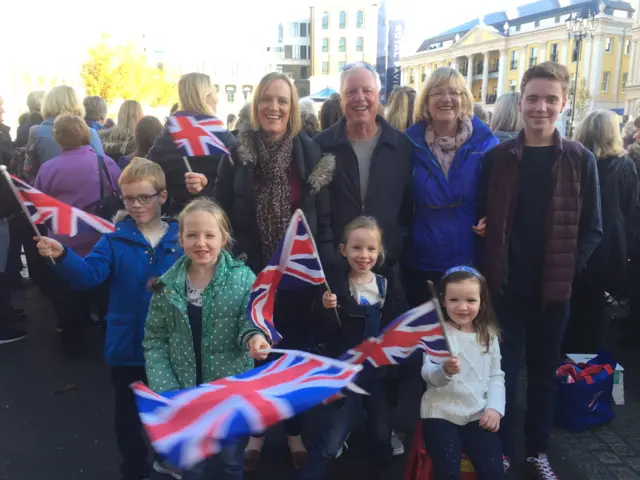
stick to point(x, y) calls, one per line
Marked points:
point(343, 20)
point(342, 47)
point(359, 44)
point(325, 21)
point(325, 45)
point(360, 19)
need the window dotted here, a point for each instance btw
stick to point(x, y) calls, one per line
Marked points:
point(231, 93)
point(554, 52)
point(625, 77)
point(512, 86)
point(325, 45)
point(360, 19)
point(557, 19)
point(412, 75)
point(294, 29)
point(627, 47)
point(304, 72)
point(304, 52)
point(288, 51)
point(608, 44)
point(303, 29)
point(517, 28)
point(514, 60)
point(325, 68)
point(576, 49)
point(343, 20)
point(342, 46)
point(533, 58)
point(246, 91)
point(341, 65)
point(325, 21)
point(605, 81)
point(536, 24)
point(359, 44)
point(280, 32)
point(423, 76)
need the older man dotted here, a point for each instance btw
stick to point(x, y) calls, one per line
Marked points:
point(372, 177)
point(95, 112)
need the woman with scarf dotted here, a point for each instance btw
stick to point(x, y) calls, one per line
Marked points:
point(449, 145)
point(198, 99)
point(275, 170)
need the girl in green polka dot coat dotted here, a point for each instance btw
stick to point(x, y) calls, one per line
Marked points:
point(198, 329)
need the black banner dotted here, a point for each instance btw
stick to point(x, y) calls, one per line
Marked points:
point(396, 30)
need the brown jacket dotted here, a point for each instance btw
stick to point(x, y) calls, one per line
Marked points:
point(573, 225)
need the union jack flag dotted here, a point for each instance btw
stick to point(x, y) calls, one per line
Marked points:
point(62, 219)
point(418, 329)
point(188, 426)
point(295, 265)
point(196, 136)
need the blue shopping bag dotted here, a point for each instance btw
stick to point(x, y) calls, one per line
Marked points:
point(585, 393)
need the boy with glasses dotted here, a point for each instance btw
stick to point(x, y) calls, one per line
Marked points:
point(541, 219)
point(142, 247)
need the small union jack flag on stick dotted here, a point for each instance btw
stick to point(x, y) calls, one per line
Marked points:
point(296, 264)
point(188, 426)
point(61, 218)
point(421, 328)
point(196, 136)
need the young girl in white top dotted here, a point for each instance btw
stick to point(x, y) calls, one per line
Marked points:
point(465, 397)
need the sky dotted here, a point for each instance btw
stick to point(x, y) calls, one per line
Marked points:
point(220, 23)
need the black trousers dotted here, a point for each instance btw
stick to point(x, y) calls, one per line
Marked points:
point(129, 432)
point(22, 235)
point(585, 331)
point(415, 285)
point(446, 441)
point(525, 324)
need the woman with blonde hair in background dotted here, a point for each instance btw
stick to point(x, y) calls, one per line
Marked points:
point(59, 100)
point(198, 99)
point(606, 269)
point(121, 139)
point(449, 144)
point(31, 118)
point(276, 169)
point(399, 112)
point(506, 121)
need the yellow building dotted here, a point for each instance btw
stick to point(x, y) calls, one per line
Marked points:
point(494, 52)
point(342, 32)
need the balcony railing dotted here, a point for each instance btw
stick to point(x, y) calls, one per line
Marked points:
point(493, 68)
point(514, 64)
point(491, 98)
point(479, 70)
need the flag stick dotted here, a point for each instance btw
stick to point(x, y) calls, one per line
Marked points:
point(326, 285)
point(7, 178)
point(436, 303)
point(187, 164)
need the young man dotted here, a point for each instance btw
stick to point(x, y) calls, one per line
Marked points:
point(540, 210)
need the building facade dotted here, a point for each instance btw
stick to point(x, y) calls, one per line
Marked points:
point(341, 33)
point(293, 49)
point(632, 87)
point(494, 52)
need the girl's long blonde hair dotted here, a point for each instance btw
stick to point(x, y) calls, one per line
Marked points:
point(196, 94)
point(399, 112)
point(129, 115)
point(600, 133)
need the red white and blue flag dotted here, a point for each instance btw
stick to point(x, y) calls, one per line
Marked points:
point(61, 218)
point(419, 329)
point(196, 136)
point(188, 426)
point(295, 265)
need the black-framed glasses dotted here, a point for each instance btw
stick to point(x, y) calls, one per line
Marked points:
point(142, 199)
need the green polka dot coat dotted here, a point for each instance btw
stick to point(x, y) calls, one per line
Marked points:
point(226, 328)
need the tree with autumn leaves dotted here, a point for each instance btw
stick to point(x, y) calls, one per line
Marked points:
point(123, 72)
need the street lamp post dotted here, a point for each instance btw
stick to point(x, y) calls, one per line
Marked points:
point(578, 29)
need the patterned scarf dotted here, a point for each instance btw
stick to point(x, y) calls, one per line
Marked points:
point(445, 148)
point(273, 191)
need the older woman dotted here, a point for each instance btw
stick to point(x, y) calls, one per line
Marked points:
point(506, 121)
point(275, 170)
point(31, 118)
point(120, 140)
point(449, 144)
point(198, 99)
point(95, 112)
point(59, 100)
point(607, 267)
point(74, 178)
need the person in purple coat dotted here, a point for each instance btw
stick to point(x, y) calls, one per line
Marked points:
point(73, 178)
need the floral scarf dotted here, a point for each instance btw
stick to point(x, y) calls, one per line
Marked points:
point(273, 191)
point(445, 148)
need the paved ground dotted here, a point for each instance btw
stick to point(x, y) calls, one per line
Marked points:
point(55, 419)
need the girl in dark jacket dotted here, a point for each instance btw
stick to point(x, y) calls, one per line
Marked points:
point(275, 170)
point(198, 99)
point(606, 270)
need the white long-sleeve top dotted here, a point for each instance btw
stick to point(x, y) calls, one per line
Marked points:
point(462, 398)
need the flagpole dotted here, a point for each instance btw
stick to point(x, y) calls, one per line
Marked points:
point(436, 304)
point(7, 178)
point(187, 164)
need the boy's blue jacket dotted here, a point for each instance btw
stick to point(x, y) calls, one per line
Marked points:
point(127, 261)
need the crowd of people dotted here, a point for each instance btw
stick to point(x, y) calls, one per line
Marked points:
point(497, 210)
